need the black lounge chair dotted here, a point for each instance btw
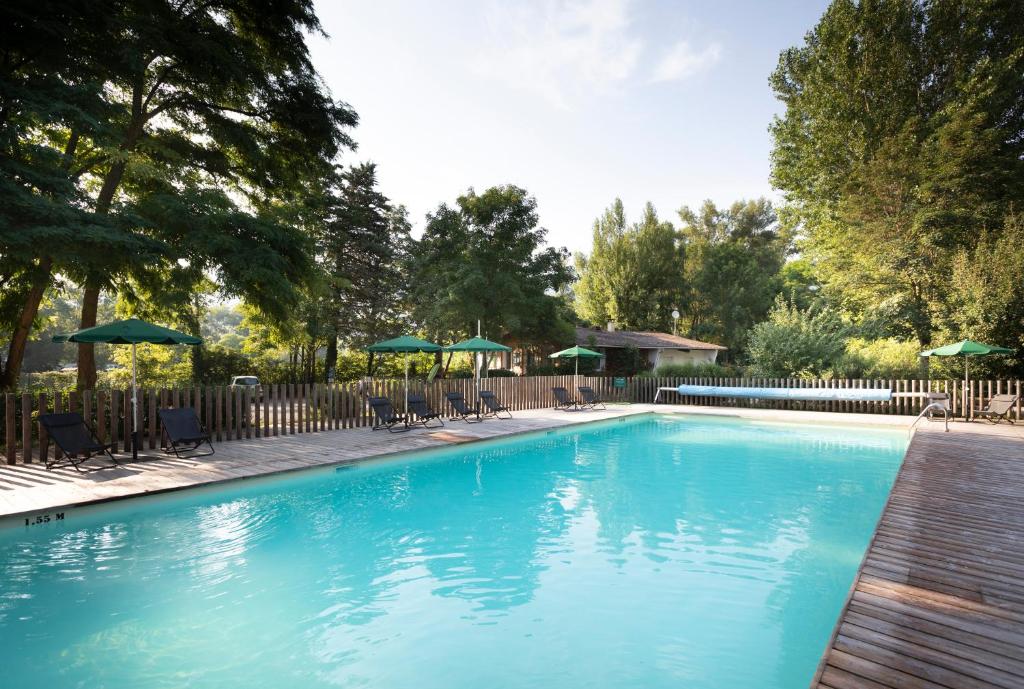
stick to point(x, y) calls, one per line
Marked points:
point(462, 410)
point(75, 440)
point(386, 416)
point(997, 409)
point(563, 401)
point(590, 398)
point(183, 434)
point(493, 406)
point(424, 414)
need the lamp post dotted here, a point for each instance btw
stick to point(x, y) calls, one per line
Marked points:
point(675, 320)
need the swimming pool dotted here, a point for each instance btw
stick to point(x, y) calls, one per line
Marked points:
point(654, 551)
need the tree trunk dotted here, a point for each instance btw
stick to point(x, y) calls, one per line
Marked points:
point(91, 295)
point(19, 338)
point(87, 351)
point(331, 358)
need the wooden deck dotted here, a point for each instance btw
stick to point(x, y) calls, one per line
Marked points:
point(939, 600)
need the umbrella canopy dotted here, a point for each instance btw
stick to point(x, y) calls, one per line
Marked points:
point(967, 348)
point(129, 331)
point(477, 344)
point(576, 352)
point(404, 345)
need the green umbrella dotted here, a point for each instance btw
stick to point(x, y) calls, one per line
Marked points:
point(404, 345)
point(131, 331)
point(477, 344)
point(576, 353)
point(967, 349)
point(474, 345)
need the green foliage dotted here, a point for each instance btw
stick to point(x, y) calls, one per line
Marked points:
point(733, 259)
point(885, 358)
point(633, 275)
point(694, 370)
point(799, 283)
point(158, 366)
point(902, 138)
point(485, 260)
point(364, 247)
point(988, 299)
point(795, 342)
point(501, 373)
point(144, 168)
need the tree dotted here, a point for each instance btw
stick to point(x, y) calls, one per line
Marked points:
point(484, 259)
point(733, 263)
point(902, 138)
point(633, 275)
point(987, 301)
point(51, 105)
point(795, 342)
point(363, 247)
point(211, 165)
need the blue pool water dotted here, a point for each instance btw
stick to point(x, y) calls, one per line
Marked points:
point(652, 552)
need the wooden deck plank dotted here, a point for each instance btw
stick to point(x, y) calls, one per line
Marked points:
point(939, 598)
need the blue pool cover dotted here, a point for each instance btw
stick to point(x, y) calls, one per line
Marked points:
point(849, 394)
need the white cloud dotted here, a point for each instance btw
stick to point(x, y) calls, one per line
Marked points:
point(561, 48)
point(682, 61)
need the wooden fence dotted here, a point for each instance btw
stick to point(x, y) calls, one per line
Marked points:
point(288, 409)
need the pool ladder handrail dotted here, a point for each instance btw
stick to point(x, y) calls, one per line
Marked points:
point(933, 406)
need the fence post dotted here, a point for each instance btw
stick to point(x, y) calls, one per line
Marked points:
point(248, 416)
point(44, 440)
point(26, 428)
point(11, 431)
point(112, 415)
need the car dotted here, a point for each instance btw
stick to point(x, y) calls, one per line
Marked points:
point(248, 383)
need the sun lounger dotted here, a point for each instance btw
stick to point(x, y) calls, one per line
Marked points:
point(422, 411)
point(183, 434)
point(386, 417)
point(998, 408)
point(590, 398)
point(75, 441)
point(493, 406)
point(462, 410)
point(563, 401)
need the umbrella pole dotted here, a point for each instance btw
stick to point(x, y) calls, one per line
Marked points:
point(969, 406)
point(407, 386)
point(135, 410)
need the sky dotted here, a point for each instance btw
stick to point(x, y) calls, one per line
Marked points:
point(577, 101)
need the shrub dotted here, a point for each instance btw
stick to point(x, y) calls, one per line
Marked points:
point(501, 373)
point(883, 358)
point(796, 342)
point(694, 370)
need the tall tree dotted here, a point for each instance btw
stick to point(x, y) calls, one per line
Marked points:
point(51, 106)
point(211, 163)
point(484, 259)
point(634, 274)
point(733, 261)
point(987, 302)
point(903, 137)
point(364, 247)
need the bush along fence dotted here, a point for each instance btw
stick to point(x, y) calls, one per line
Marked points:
point(287, 409)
